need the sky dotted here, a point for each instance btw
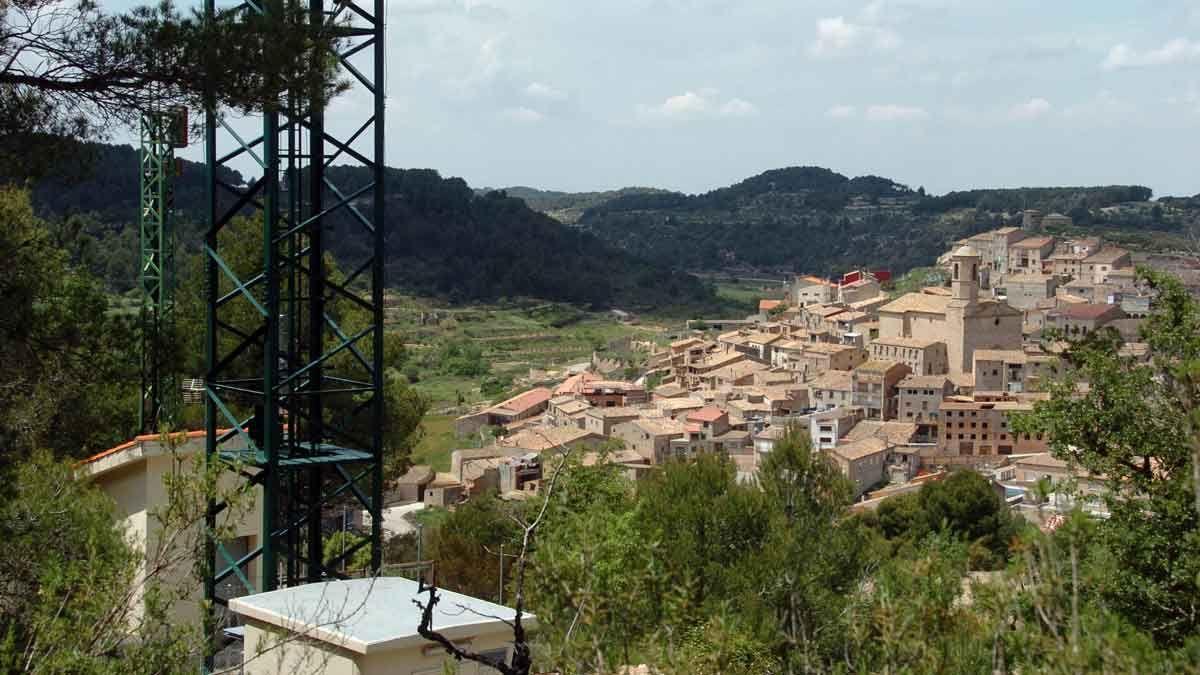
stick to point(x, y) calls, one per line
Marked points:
point(697, 94)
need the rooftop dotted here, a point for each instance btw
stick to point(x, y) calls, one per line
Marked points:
point(913, 343)
point(523, 402)
point(545, 438)
point(838, 380)
point(861, 448)
point(924, 381)
point(917, 302)
point(894, 432)
point(766, 305)
point(1087, 311)
point(1034, 242)
point(1005, 355)
point(878, 366)
point(708, 414)
point(369, 616)
point(1106, 256)
point(660, 426)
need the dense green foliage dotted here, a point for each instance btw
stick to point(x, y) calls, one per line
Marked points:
point(68, 575)
point(70, 367)
point(693, 572)
point(1138, 425)
point(809, 219)
point(442, 238)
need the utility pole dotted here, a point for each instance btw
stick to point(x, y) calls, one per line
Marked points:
point(161, 133)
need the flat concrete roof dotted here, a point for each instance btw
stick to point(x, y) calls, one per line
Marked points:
point(368, 616)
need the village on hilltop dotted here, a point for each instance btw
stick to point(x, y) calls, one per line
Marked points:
point(896, 390)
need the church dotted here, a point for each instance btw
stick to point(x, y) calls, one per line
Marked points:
point(961, 320)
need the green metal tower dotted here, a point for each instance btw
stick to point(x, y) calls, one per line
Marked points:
point(294, 383)
point(161, 133)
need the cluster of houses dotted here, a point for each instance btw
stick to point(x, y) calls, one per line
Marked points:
point(889, 386)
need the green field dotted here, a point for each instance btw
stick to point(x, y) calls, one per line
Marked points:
point(437, 441)
point(513, 338)
point(745, 293)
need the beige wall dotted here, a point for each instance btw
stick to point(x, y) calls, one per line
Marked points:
point(136, 484)
point(264, 653)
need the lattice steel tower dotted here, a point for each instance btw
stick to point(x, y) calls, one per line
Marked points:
point(294, 382)
point(161, 133)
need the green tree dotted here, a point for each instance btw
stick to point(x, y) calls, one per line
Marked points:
point(72, 580)
point(70, 367)
point(1135, 426)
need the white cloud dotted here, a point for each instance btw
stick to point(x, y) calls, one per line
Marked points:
point(545, 92)
point(836, 35)
point(736, 107)
point(841, 111)
point(1178, 50)
point(1030, 110)
point(703, 103)
point(891, 112)
point(523, 115)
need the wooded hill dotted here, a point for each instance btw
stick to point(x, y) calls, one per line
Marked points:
point(811, 219)
point(442, 238)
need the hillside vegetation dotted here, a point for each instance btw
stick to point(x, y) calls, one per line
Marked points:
point(810, 219)
point(443, 239)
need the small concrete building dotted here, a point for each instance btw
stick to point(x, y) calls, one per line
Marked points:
point(827, 426)
point(831, 389)
point(133, 474)
point(1030, 255)
point(920, 398)
point(874, 387)
point(1023, 291)
point(1100, 264)
point(650, 437)
point(862, 461)
point(602, 420)
point(366, 627)
point(809, 290)
point(1078, 319)
point(821, 356)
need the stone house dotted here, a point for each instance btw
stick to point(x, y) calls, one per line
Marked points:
point(1031, 255)
point(920, 401)
point(873, 387)
point(831, 389)
point(1023, 291)
point(650, 437)
point(1100, 264)
point(922, 356)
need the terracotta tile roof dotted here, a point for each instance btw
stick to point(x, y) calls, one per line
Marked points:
point(1106, 256)
point(709, 414)
point(525, 401)
point(861, 448)
point(574, 384)
point(837, 380)
point(766, 305)
point(894, 432)
point(1005, 355)
point(142, 439)
point(1034, 242)
point(878, 366)
point(924, 381)
point(917, 302)
point(660, 426)
point(1088, 311)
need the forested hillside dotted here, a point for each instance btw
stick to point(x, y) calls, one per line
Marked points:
point(810, 219)
point(443, 239)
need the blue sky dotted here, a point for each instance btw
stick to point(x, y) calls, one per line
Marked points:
point(696, 94)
